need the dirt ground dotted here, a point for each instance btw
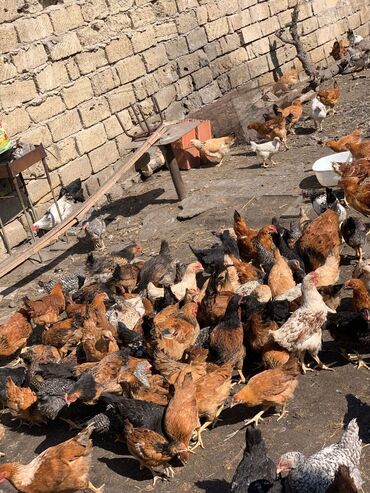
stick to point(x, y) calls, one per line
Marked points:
point(323, 402)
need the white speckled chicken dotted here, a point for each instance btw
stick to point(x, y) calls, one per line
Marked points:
point(302, 331)
point(95, 231)
point(315, 474)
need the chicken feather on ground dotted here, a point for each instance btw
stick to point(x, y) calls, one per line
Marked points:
point(315, 474)
point(266, 150)
point(302, 331)
point(59, 469)
point(340, 144)
point(214, 150)
point(256, 472)
point(268, 389)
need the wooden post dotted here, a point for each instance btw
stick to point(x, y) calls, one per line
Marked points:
point(176, 174)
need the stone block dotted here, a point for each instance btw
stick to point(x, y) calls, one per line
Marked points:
point(51, 77)
point(258, 66)
point(230, 43)
point(37, 135)
point(277, 6)
point(310, 41)
point(354, 20)
point(18, 92)
point(72, 69)
point(259, 12)
point(229, 6)
point(257, 48)
point(142, 40)
point(130, 69)
point(91, 185)
point(245, 4)
point(166, 96)
point(176, 47)
point(117, 24)
point(93, 34)
point(308, 26)
point(186, 21)
point(125, 119)
point(91, 138)
point(202, 77)
point(112, 127)
point(251, 33)
point(323, 35)
point(186, 4)
point(213, 50)
point(33, 29)
point(165, 8)
point(104, 81)
point(104, 156)
point(217, 29)
point(285, 18)
point(165, 31)
point(202, 15)
point(66, 18)
point(47, 109)
point(188, 64)
point(94, 111)
point(15, 233)
point(8, 38)
point(215, 11)
point(123, 142)
point(305, 11)
point(225, 63)
point(62, 153)
point(80, 168)
point(121, 98)
point(65, 125)
point(210, 93)
point(224, 83)
point(93, 9)
point(118, 49)
point(269, 26)
point(184, 87)
point(196, 39)
point(79, 92)
point(64, 46)
point(155, 57)
point(143, 16)
point(7, 70)
point(91, 60)
point(16, 121)
point(37, 189)
point(166, 75)
point(148, 84)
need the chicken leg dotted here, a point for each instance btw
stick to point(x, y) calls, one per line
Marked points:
point(321, 364)
point(94, 489)
point(355, 357)
point(305, 368)
point(256, 419)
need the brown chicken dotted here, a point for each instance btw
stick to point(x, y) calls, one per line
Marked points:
point(97, 343)
point(264, 247)
point(226, 340)
point(73, 308)
point(360, 150)
point(319, 238)
point(245, 271)
point(63, 468)
point(269, 388)
point(330, 97)
point(212, 390)
point(41, 354)
point(274, 356)
point(280, 277)
point(340, 144)
point(181, 417)
point(157, 390)
point(295, 110)
point(288, 80)
point(360, 168)
point(65, 334)
point(357, 194)
point(170, 369)
point(275, 127)
point(103, 377)
point(178, 331)
point(125, 277)
point(22, 403)
point(214, 150)
point(151, 449)
point(245, 235)
point(14, 333)
point(339, 50)
point(361, 297)
point(328, 272)
point(47, 309)
point(343, 483)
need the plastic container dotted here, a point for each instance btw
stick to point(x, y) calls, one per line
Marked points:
point(186, 155)
point(323, 168)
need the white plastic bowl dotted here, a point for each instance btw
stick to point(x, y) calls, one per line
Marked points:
point(323, 168)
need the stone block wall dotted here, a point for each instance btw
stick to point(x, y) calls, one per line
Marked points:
point(70, 68)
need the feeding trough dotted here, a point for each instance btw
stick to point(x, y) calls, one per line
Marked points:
point(324, 171)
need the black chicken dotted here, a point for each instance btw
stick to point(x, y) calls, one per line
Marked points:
point(353, 231)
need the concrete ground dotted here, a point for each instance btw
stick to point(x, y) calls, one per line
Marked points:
point(323, 400)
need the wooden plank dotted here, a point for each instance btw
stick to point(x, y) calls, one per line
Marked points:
point(14, 261)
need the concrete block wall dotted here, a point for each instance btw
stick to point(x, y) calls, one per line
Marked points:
point(70, 68)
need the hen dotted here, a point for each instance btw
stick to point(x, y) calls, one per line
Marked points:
point(22, 403)
point(14, 333)
point(302, 331)
point(268, 389)
point(70, 283)
point(286, 81)
point(359, 150)
point(361, 296)
point(318, 113)
point(328, 272)
point(256, 472)
point(315, 474)
point(280, 278)
point(330, 97)
point(359, 168)
point(59, 469)
point(159, 269)
point(357, 194)
point(95, 231)
point(274, 127)
point(343, 483)
point(46, 310)
point(353, 231)
point(266, 150)
point(295, 110)
point(339, 50)
point(214, 150)
point(340, 144)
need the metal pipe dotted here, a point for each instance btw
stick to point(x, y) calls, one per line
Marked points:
point(5, 239)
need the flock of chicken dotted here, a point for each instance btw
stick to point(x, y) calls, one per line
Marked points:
point(147, 350)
